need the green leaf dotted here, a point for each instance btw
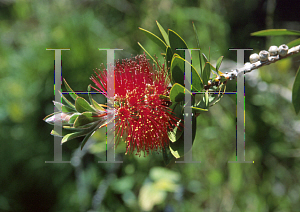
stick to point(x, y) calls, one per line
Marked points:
point(296, 92)
point(219, 62)
point(177, 93)
point(197, 83)
point(88, 131)
point(71, 136)
point(73, 118)
point(94, 103)
point(275, 32)
point(198, 46)
point(62, 134)
point(294, 43)
point(72, 93)
point(164, 97)
point(204, 103)
point(85, 118)
point(63, 108)
point(177, 69)
point(167, 155)
point(176, 42)
point(82, 105)
point(147, 53)
point(206, 100)
point(206, 73)
point(67, 101)
point(169, 56)
point(163, 33)
point(177, 148)
point(86, 138)
point(67, 109)
point(177, 72)
point(48, 116)
point(198, 109)
point(154, 38)
point(177, 111)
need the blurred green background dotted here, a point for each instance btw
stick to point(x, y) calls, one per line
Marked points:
point(27, 28)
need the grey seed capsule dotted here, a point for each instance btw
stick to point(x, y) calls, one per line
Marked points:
point(263, 55)
point(273, 50)
point(282, 50)
point(254, 58)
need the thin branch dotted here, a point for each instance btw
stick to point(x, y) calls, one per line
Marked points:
point(248, 67)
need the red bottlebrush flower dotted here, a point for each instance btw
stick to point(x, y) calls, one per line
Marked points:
point(142, 117)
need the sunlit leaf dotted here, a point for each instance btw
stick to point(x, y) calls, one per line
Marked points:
point(71, 136)
point(219, 62)
point(94, 103)
point(154, 38)
point(206, 73)
point(82, 105)
point(198, 46)
point(177, 69)
point(163, 33)
point(147, 53)
point(85, 118)
point(177, 72)
point(275, 32)
point(67, 101)
point(294, 43)
point(177, 93)
point(176, 42)
point(71, 92)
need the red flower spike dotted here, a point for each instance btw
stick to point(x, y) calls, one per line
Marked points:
point(142, 118)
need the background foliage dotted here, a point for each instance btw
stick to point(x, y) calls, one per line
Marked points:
point(145, 184)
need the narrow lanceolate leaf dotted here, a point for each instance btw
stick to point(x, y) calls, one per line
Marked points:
point(85, 118)
point(177, 73)
point(177, 93)
point(177, 69)
point(206, 73)
point(155, 39)
point(147, 53)
point(72, 93)
point(197, 83)
point(63, 108)
point(86, 138)
point(219, 62)
point(163, 33)
point(93, 102)
point(82, 105)
point(294, 43)
point(205, 61)
point(206, 99)
point(296, 92)
point(71, 136)
point(67, 101)
point(198, 109)
point(169, 56)
point(275, 32)
point(176, 42)
point(198, 46)
point(60, 134)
